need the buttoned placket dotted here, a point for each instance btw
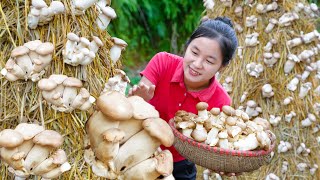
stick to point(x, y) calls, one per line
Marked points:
point(184, 99)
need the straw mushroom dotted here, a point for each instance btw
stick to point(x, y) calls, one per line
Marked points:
point(309, 120)
point(70, 47)
point(292, 85)
point(238, 11)
point(58, 158)
point(249, 142)
point(20, 56)
point(284, 146)
point(118, 46)
point(254, 69)
point(186, 127)
point(118, 82)
point(209, 4)
point(44, 142)
point(142, 109)
point(12, 71)
point(287, 18)
point(115, 105)
point(290, 63)
point(96, 125)
point(44, 52)
point(304, 89)
point(155, 132)
point(56, 172)
point(28, 131)
point(152, 168)
point(95, 44)
point(252, 39)
point(267, 91)
point(71, 86)
point(9, 153)
point(108, 149)
point(272, 176)
point(104, 18)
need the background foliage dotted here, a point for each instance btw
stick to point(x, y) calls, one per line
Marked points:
point(150, 26)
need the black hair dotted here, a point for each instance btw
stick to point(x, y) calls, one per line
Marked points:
point(220, 29)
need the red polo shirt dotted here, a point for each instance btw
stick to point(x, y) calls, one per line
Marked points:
point(165, 70)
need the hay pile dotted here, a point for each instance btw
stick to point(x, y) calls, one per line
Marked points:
point(293, 131)
point(20, 100)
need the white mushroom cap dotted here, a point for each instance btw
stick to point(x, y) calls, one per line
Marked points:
point(159, 129)
point(73, 37)
point(165, 165)
point(228, 110)
point(119, 42)
point(32, 45)
point(45, 48)
point(108, 11)
point(48, 138)
point(39, 4)
point(58, 78)
point(113, 135)
point(10, 138)
point(97, 41)
point(20, 50)
point(28, 131)
point(115, 105)
point(202, 106)
point(72, 82)
point(57, 7)
point(59, 157)
point(85, 41)
point(251, 104)
point(47, 84)
point(142, 109)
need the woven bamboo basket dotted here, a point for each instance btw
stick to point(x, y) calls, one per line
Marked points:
point(218, 159)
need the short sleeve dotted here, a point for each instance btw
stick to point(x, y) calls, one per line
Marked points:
point(155, 68)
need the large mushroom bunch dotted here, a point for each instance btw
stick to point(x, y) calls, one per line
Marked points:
point(229, 129)
point(65, 94)
point(79, 50)
point(28, 61)
point(41, 14)
point(124, 136)
point(29, 149)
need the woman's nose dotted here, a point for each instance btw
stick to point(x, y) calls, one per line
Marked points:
point(197, 62)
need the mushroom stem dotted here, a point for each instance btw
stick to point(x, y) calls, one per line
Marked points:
point(36, 155)
point(131, 154)
point(57, 171)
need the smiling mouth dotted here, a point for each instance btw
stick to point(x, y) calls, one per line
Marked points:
point(193, 72)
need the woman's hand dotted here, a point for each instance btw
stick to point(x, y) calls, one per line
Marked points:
point(144, 89)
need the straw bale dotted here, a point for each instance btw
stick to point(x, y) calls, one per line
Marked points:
point(20, 100)
point(293, 131)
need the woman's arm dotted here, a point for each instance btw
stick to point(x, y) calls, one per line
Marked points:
point(144, 89)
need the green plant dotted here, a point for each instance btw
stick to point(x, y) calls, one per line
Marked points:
point(150, 26)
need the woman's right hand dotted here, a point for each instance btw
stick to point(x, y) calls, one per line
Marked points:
point(144, 89)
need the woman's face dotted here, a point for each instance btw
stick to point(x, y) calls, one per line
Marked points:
point(202, 60)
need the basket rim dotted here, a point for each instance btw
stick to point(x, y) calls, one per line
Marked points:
point(218, 149)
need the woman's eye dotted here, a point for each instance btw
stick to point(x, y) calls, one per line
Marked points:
point(195, 53)
point(210, 62)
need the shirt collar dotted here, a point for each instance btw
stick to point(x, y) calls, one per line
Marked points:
point(203, 95)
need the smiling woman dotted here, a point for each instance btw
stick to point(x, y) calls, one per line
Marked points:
point(171, 83)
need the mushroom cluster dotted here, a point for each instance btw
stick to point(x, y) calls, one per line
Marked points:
point(65, 94)
point(28, 61)
point(79, 50)
point(118, 82)
point(41, 14)
point(124, 136)
point(229, 129)
point(29, 149)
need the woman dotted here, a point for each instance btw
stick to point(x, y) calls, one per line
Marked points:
point(171, 83)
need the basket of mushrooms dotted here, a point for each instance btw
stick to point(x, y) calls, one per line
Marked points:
point(226, 141)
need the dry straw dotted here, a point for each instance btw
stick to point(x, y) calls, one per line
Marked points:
point(20, 101)
point(293, 131)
